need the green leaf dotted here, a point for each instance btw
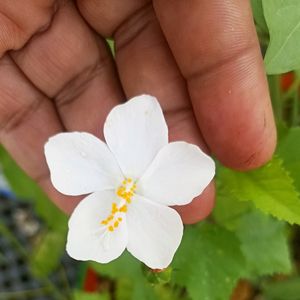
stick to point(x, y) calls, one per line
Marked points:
point(124, 289)
point(264, 244)
point(126, 266)
point(283, 290)
point(270, 188)
point(283, 20)
point(25, 188)
point(288, 150)
point(129, 275)
point(111, 45)
point(228, 209)
point(208, 263)
point(47, 254)
point(166, 292)
point(128, 289)
point(142, 290)
point(258, 15)
point(79, 295)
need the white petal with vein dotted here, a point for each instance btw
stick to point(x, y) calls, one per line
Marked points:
point(154, 232)
point(135, 131)
point(179, 172)
point(80, 163)
point(88, 239)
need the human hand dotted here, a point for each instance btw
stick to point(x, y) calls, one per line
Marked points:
point(201, 59)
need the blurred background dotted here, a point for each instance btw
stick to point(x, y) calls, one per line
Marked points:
point(249, 248)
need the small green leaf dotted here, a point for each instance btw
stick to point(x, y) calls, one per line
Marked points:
point(47, 254)
point(288, 150)
point(208, 263)
point(111, 45)
point(270, 188)
point(264, 244)
point(162, 277)
point(283, 20)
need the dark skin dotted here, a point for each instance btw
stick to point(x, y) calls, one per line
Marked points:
point(200, 58)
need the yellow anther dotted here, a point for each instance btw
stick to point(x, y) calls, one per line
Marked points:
point(123, 208)
point(126, 192)
point(114, 208)
point(119, 191)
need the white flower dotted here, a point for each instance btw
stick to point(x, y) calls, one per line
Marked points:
point(131, 181)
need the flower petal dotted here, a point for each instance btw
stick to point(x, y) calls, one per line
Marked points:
point(80, 163)
point(179, 172)
point(154, 232)
point(135, 131)
point(88, 239)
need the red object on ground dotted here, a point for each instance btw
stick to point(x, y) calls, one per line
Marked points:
point(286, 81)
point(91, 282)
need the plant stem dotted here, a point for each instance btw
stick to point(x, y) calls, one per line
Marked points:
point(295, 109)
point(11, 238)
point(28, 293)
point(294, 87)
point(275, 92)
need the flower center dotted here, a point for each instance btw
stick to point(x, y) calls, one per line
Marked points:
point(125, 191)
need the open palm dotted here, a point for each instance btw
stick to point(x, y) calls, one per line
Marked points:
point(200, 58)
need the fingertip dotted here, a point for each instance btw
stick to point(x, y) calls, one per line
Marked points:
point(199, 208)
point(256, 152)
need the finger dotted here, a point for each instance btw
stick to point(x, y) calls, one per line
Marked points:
point(146, 65)
point(199, 208)
point(215, 45)
point(19, 21)
point(70, 64)
point(27, 120)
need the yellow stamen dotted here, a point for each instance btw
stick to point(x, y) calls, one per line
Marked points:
point(114, 208)
point(123, 208)
point(125, 191)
